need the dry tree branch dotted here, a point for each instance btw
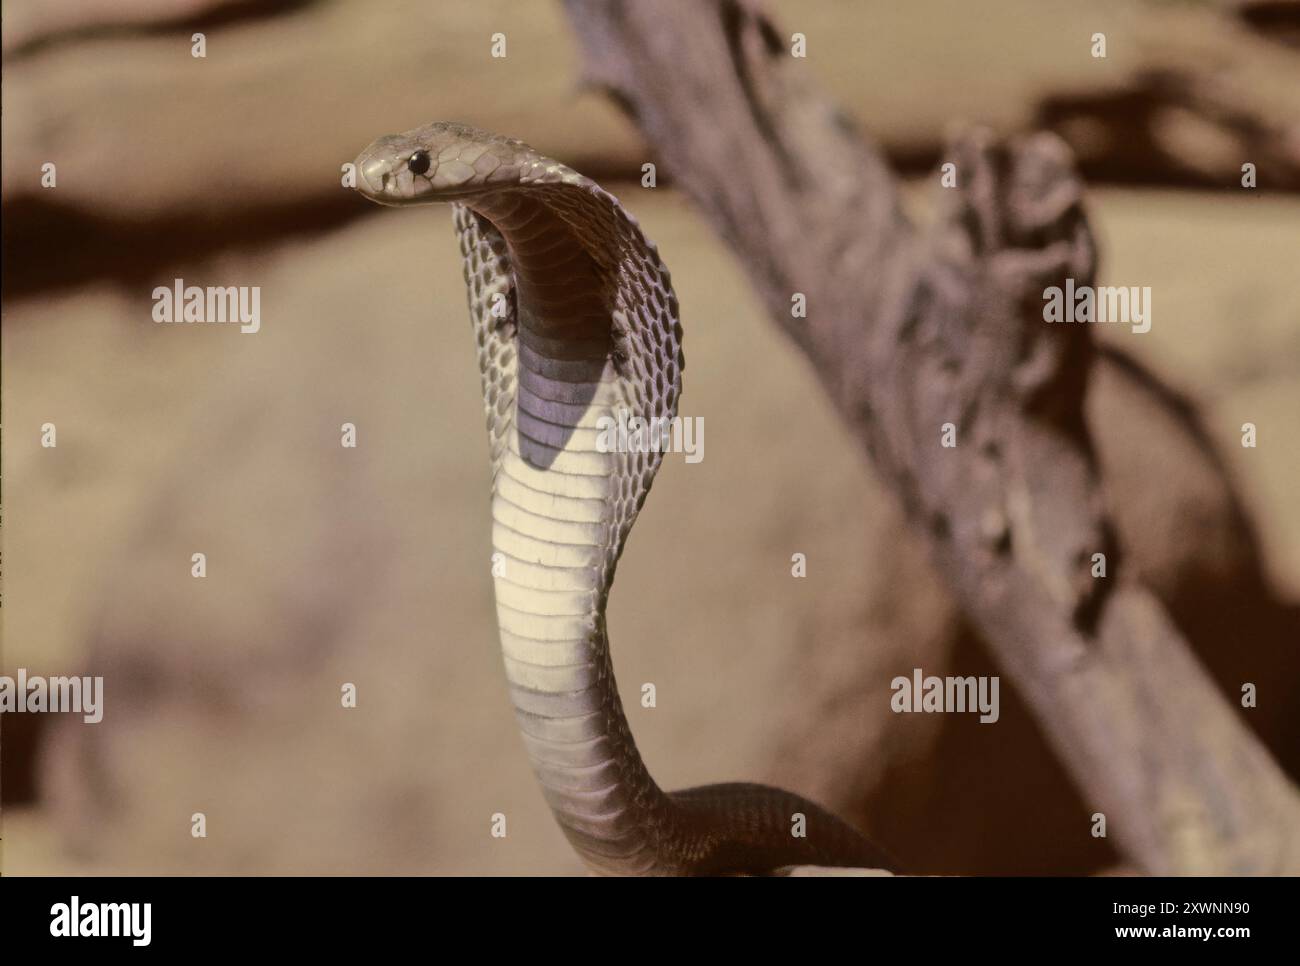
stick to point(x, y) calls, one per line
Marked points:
point(908, 331)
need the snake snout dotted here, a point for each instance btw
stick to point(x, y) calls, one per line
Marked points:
point(376, 174)
point(383, 172)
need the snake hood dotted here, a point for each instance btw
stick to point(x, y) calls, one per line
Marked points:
point(575, 324)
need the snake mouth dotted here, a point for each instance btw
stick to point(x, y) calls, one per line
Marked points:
point(385, 179)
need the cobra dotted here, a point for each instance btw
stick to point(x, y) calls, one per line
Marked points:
point(575, 320)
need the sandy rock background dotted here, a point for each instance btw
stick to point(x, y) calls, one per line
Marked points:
point(329, 565)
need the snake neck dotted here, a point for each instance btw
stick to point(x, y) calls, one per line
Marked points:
point(554, 522)
point(561, 510)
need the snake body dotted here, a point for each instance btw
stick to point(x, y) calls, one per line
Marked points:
point(575, 319)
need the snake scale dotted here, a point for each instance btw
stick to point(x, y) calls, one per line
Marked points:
point(575, 319)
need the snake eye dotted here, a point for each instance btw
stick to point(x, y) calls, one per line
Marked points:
point(419, 162)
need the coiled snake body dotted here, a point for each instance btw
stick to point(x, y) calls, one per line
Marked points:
point(575, 319)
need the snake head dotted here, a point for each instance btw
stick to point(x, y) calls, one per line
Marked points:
point(442, 161)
